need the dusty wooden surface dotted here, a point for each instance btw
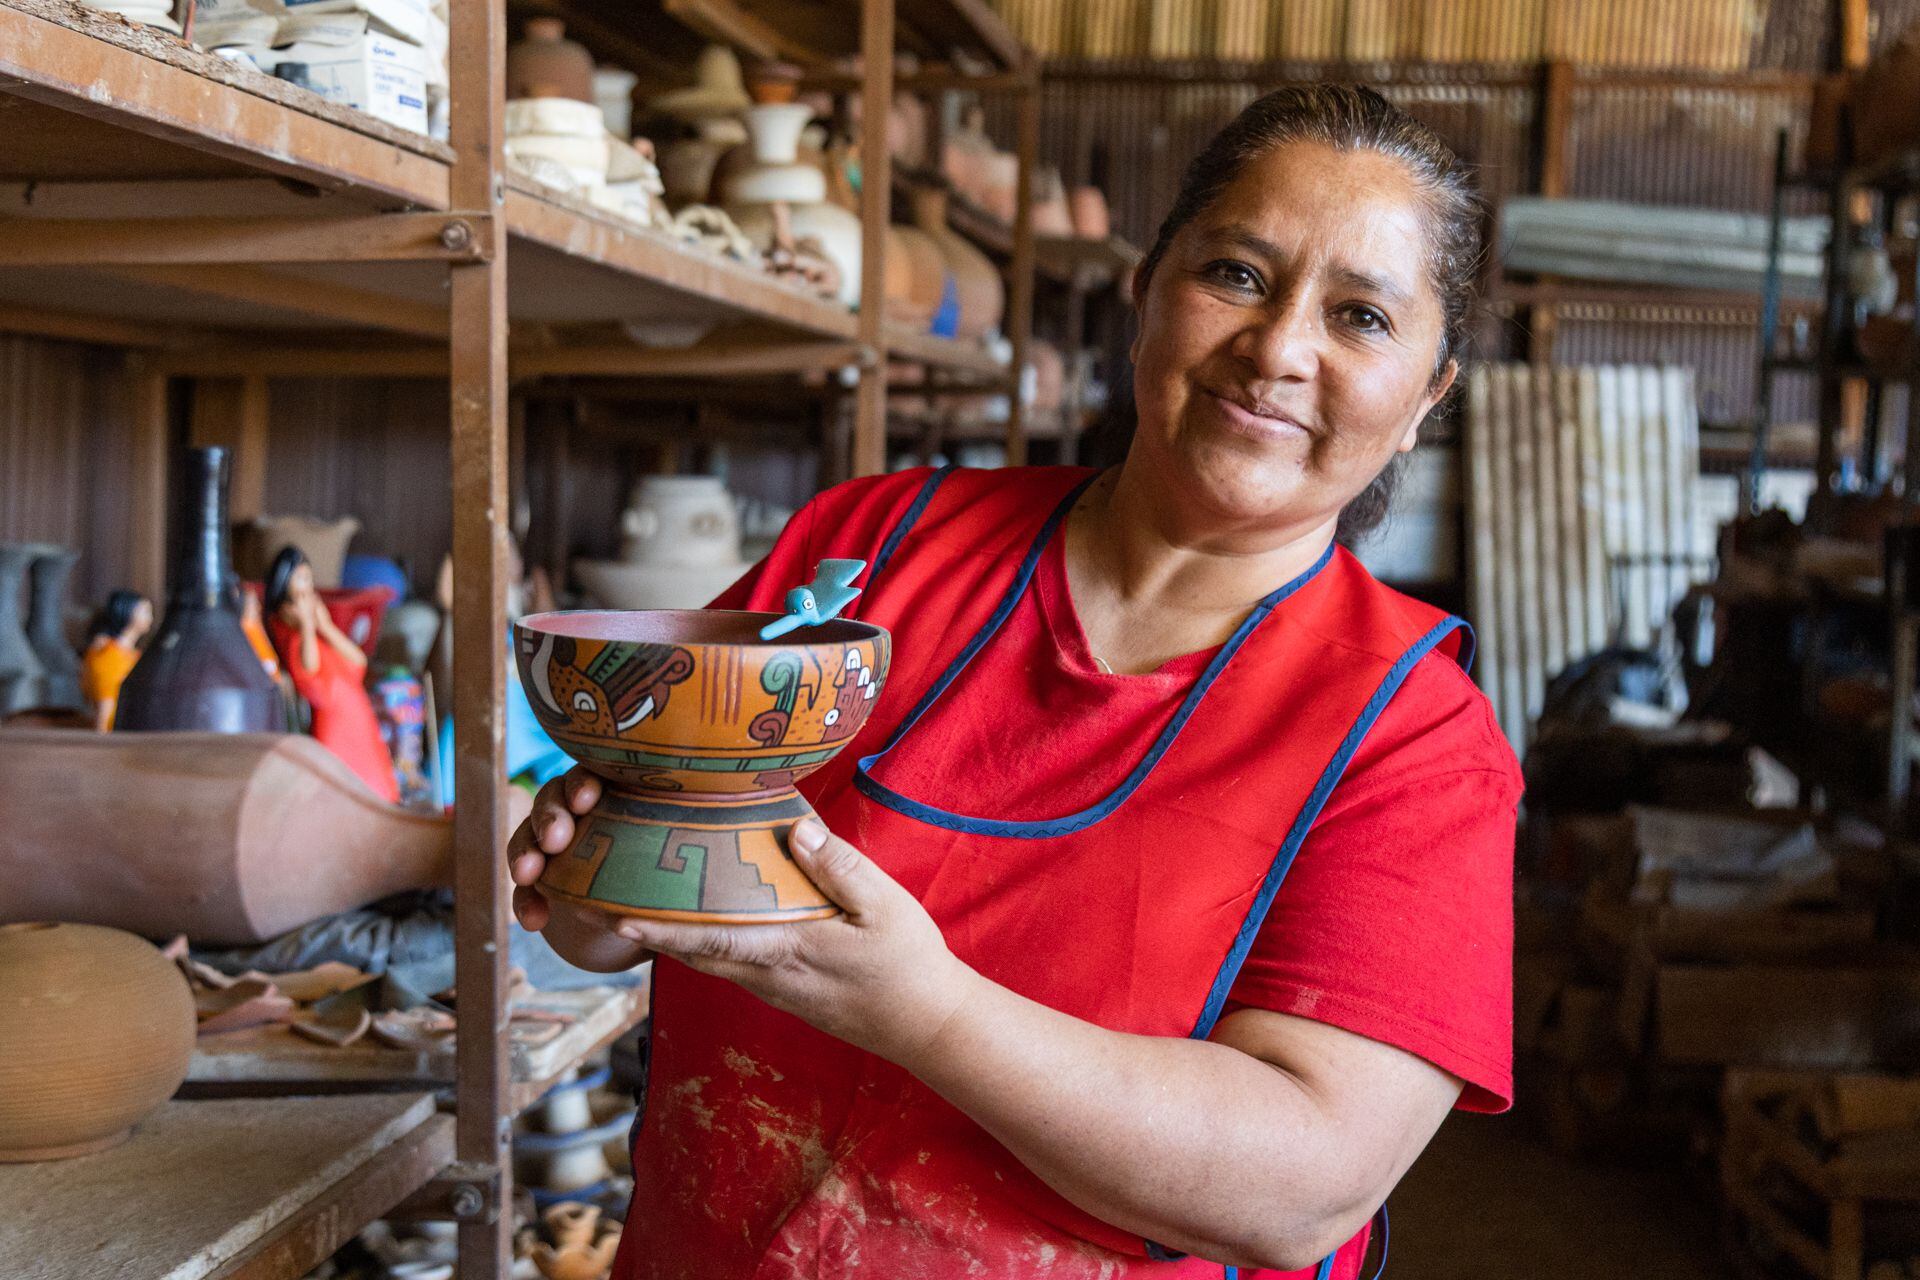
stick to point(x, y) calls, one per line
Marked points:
point(273, 1054)
point(196, 1185)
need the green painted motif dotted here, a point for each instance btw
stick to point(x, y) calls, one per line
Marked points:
point(701, 764)
point(637, 873)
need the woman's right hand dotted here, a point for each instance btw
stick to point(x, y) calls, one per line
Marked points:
point(584, 937)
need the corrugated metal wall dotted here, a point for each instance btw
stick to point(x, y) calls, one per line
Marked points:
point(65, 438)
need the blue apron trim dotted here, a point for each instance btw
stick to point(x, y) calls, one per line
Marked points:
point(907, 521)
point(1044, 828)
point(1297, 834)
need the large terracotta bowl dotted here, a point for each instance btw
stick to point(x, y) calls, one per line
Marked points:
point(699, 730)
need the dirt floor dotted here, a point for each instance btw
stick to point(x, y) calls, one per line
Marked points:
point(1489, 1201)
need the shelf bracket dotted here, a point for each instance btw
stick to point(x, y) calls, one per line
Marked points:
point(463, 1192)
point(380, 237)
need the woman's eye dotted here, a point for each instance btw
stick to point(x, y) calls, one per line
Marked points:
point(1235, 275)
point(1367, 319)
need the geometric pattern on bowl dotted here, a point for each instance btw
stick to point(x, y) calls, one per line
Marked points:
point(699, 730)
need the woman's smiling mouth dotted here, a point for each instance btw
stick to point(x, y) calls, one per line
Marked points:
point(1259, 424)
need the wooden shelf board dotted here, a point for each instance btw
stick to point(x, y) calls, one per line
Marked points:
point(573, 264)
point(272, 1060)
point(208, 1189)
point(950, 354)
point(90, 95)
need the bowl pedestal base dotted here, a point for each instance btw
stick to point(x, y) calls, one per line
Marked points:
point(679, 856)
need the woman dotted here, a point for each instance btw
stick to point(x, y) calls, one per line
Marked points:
point(329, 671)
point(1073, 1023)
point(113, 646)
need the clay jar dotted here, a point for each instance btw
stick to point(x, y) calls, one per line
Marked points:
point(96, 1028)
point(1051, 216)
point(982, 294)
point(1091, 219)
point(545, 64)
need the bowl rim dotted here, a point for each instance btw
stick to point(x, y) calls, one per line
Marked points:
point(795, 639)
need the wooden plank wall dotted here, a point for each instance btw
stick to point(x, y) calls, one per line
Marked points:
point(66, 436)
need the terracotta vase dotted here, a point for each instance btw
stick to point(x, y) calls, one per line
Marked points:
point(545, 64)
point(699, 730)
point(1051, 216)
point(239, 864)
point(1091, 218)
point(96, 1029)
point(981, 292)
point(46, 627)
point(21, 671)
point(929, 276)
point(199, 672)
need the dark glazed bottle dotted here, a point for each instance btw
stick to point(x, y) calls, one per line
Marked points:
point(198, 672)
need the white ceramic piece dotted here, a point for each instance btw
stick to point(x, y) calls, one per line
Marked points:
point(560, 117)
point(613, 91)
point(588, 155)
point(795, 184)
point(774, 130)
point(836, 231)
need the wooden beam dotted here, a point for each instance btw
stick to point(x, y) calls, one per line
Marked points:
point(876, 200)
point(234, 413)
point(727, 23)
point(72, 326)
point(380, 237)
point(477, 345)
point(1555, 129)
point(282, 360)
point(628, 361)
point(317, 298)
point(1855, 46)
point(143, 81)
point(1020, 313)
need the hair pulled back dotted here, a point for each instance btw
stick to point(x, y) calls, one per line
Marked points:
point(1349, 118)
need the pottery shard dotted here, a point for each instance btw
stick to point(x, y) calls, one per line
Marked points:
point(250, 1002)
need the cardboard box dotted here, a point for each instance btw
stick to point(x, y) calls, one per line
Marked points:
point(410, 20)
point(349, 61)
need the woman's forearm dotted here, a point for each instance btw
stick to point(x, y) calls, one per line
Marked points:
point(1194, 1145)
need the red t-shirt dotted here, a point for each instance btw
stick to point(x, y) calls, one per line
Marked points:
point(1396, 919)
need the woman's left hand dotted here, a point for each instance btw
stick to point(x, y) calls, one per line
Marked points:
point(879, 976)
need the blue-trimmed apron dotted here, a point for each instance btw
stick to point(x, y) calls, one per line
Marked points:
point(771, 1150)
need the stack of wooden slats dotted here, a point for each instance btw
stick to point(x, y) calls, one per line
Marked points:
point(1581, 526)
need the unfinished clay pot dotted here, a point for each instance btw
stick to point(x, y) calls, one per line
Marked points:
point(240, 863)
point(982, 293)
point(545, 64)
point(927, 267)
point(699, 729)
point(1091, 218)
point(96, 1028)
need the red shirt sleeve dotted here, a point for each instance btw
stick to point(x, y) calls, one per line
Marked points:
point(1395, 921)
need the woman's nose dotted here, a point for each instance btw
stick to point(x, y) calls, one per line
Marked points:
point(1282, 342)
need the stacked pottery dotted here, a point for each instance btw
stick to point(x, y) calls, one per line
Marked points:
point(558, 141)
point(96, 1029)
point(560, 1152)
point(979, 292)
point(712, 109)
point(681, 547)
point(777, 176)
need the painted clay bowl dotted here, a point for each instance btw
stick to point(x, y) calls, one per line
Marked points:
point(699, 729)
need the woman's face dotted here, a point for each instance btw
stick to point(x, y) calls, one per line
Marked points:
point(1288, 339)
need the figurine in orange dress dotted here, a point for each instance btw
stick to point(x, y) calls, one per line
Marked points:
point(113, 646)
point(329, 671)
point(250, 622)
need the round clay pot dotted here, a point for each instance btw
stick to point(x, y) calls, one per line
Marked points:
point(1091, 218)
point(982, 293)
point(96, 1028)
point(837, 231)
point(545, 64)
point(901, 307)
point(699, 728)
point(928, 267)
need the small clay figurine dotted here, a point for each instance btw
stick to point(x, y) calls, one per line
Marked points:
point(329, 671)
point(822, 600)
point(113, 646)
point(250, 622)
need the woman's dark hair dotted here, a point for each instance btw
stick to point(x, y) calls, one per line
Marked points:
point(115, 616)
point(280, 577)
point(1349, 118)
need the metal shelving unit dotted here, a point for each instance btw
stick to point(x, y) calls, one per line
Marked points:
point(225, 225)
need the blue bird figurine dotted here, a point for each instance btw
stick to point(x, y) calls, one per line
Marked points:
point(820, 600)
